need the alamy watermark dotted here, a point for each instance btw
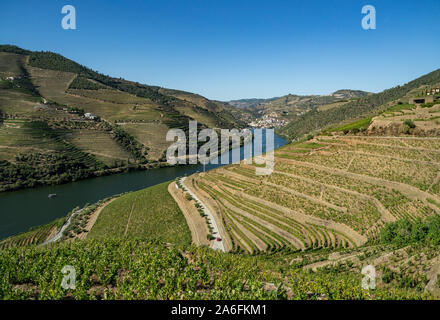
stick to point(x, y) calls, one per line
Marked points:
point(69, 20)
point(369, 281)
point(187, 152)
point(369, 20)
point(69, 280)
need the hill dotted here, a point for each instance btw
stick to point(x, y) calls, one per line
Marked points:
point(249, 103)
point(292, 105)
point(61, 121)
point(363, 107)
point(136, 269)
point(333, 205)
point(364, 190)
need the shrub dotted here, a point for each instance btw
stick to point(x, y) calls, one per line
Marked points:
point(409, 123)
point(354, 130)
point(404, 231)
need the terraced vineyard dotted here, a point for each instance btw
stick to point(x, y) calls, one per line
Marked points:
point(34, 236)
point(150, 213)
point(127, 130)
point(330, 192)
point(136, 269)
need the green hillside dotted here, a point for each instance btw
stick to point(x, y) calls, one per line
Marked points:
point(290, 106)
point(45, 135)
point(360, 108)
point(150, 213)
point(135, 269)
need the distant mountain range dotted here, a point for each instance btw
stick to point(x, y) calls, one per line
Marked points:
point(292, 105)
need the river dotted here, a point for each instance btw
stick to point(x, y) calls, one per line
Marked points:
point(23, 209)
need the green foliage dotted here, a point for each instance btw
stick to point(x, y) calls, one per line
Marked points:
point(35, 235)
point(428, 105)
point(311, 145)
point(136, 269)
point(404, 231)
point(129, 143)
point(13, 49)
point(409, 123)
point(83, 83)
point(150, 214)
point(400, 107)
point(357, 125)
point(33, 169)
point(68, 163)
point(361, 107)
point(54, 61)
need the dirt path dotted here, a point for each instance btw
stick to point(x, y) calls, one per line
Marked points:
point(196, 223)
point(437, 179)
point(349, 164)
point(58, 236)
point(216, 245)
point(129, 217)
point(93, 217)
point(281, 232)
point(333, 262)
point(216, 208)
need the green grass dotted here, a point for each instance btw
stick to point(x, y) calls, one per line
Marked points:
point(400, 107)
point(364, 123)
point(310, 145)
point(433, 202)
point(149, 213)
point(100, 144)
point(428, 105)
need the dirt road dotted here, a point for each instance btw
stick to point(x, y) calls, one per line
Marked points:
point(196, 224)
point(216, 245)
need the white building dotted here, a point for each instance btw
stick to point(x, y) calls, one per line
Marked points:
point(90, 116)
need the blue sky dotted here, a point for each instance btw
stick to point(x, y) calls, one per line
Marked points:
point(230, 49)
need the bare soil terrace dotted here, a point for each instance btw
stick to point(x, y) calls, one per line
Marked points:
point(331, 192)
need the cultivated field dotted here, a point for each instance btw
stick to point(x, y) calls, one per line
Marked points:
point(34, 236)
point(328, 192)
point(150, 134)
point(149, 214)
point(420, 120)
point(100, 144)
point(9, 64)
point(17, 136)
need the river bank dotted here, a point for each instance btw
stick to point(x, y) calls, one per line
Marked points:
point(23, 209)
